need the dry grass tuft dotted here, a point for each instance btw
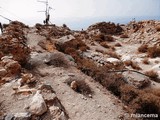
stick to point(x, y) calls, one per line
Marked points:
point(80, 86)
point(128, 93)
point(134, 65)
point(158, 28)
point(153, 75)
point(111, 81)
point(153, 91)
point(124, 36)
point(118, 45)
point(146, 61)
point(128, 62)
point(58, 60)
point(102, 37)
point(140, 101)
point(109, 38)
point(105, 44)
point(154, 51)
point(143, 48)
point(100, 50)
point(76, 44)
point(113, 54)
point(146, 103)
point(112, 48)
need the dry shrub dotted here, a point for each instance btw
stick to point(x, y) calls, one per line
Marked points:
point(128, 94)
point(99, 38)
point(146, 103)
point(113, 54)
point(58, 60)
point(102, 37)
point(154, 51)
point(107, 28)
point(134, 65)
point(111, 81)
point(118, 45)
point(87, 66)
point(128, 62)
point(80, 86)
point(158, 28)
point(76, 44)
point(153, 91)
point(140, 101)
point(105, 44)
point(143, 48)
point(156, 61)
point(73, 48)
point(100, 50)
point(70, 50)
point(83, 48)
point(146, 61)
point(112, 48)
point(109, 38)
point(83, 88)
point(153, 75)
point(124, 36)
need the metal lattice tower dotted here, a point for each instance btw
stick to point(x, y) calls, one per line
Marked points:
point(47, 9)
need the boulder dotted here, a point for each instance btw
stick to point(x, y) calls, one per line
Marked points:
point(22, 116)
point(113, 60)
point(9, 116)
point(37, 105)
point(13, 42)
point(64, 39)
point(37, 59)
point(137, 80)
point(9, 66)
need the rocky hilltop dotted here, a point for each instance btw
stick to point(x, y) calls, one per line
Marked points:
point(107, 72)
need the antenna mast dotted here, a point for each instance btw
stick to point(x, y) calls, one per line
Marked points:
point(47, 15)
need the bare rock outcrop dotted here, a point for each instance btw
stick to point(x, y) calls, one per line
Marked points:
point(106, 28)
point(9, 67)
point(37, 105)
point(13, 42)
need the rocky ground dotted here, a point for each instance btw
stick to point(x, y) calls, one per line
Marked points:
point(106, 72)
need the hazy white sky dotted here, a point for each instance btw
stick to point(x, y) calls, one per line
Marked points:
point(65, 10)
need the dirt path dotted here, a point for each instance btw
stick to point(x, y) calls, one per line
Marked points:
point(102, 106)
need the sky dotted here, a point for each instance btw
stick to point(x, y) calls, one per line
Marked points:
point(79, 13)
